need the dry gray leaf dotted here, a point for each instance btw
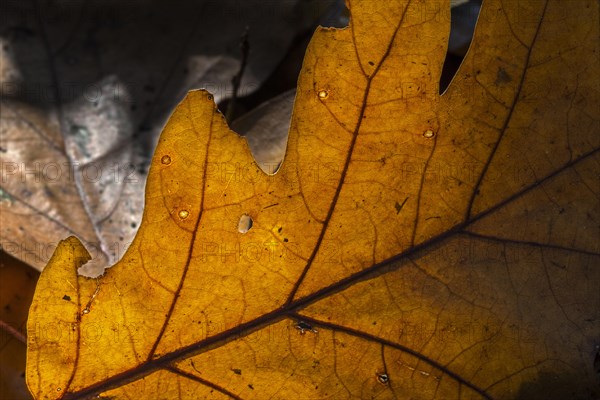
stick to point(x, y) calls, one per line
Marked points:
point(266, 129)
point(86, 88)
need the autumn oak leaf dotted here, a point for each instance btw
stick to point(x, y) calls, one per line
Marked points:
point(411, 244)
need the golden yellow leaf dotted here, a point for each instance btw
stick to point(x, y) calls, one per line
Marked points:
point(412, 245)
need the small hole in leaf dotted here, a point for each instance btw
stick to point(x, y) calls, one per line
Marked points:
point(428, 134)
point(323, 94)
point(383, 378)
point(165, 160)
point(245, 223)
point(183, 214)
